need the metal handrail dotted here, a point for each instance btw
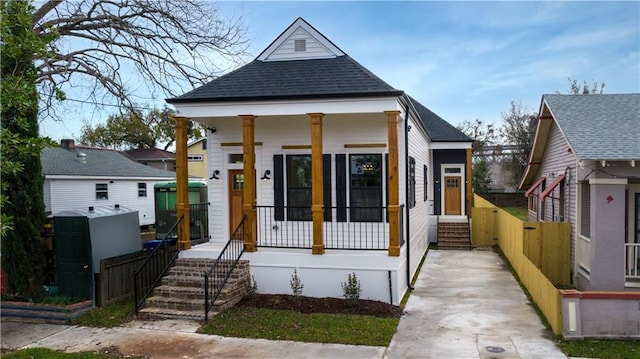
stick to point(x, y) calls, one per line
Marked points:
point(222, 268)
point(156, 265)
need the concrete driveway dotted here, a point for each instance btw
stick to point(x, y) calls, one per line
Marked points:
point(467, 304)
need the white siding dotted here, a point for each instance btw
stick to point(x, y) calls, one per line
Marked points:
point(558, 160)
point(314, 49)
point(419, 215)
point(69, 194)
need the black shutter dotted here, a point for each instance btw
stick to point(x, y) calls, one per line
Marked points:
point(278, 187)
point(341, 188)
point(326, 182)
point(386, 186)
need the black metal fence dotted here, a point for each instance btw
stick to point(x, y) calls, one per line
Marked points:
point(216, 277)
point(353, 228)
point(149, 274)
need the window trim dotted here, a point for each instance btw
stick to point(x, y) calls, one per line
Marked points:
point(412, 182)
point(297, 214)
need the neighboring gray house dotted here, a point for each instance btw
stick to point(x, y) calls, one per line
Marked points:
point(585, 169)
point(79, 177)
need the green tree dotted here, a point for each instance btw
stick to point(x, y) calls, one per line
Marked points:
point(22, 182)
point(518, 130)
point(136, 130)
point(481, 177)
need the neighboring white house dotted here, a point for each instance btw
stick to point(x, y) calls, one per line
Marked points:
point(80, 177)
point(305, 116)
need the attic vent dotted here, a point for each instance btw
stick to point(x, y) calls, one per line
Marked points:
point(82, 157)
point(300, 45)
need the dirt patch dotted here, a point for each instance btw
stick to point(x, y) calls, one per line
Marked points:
point(320, 305)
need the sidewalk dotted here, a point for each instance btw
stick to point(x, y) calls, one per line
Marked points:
point(465, 305)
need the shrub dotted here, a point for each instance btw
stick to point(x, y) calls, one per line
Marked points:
point(351, 290)
point(296, 284)
point(253, 286)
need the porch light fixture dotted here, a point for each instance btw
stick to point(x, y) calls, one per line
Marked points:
point(214, 176)
point(265, 176)
point(211, 129)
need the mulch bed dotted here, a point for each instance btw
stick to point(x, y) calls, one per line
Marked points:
point(304, 304)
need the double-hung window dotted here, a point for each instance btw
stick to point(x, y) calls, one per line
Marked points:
point(365, 187)
point(142, 189)
point(102, 191)
point(299, 187)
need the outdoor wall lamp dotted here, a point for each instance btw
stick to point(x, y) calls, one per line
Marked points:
point(265, 176)
point(211, 129)
point(214, 176)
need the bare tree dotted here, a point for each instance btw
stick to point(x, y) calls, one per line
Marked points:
point(482, 134)
point(173, 45)
point(518, 130)
point(576, 89)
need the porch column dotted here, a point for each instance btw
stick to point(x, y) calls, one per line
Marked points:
point(607, 232)
point(182, 184)
point(317, 193)
point(249, 192)
point(469, 190)
point(392, 179)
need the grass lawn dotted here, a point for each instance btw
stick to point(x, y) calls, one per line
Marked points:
point(248, 322)
point(108, 316)
point(593, 348)
point(519, 212)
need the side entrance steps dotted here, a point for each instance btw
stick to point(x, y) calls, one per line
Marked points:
point(181, 292)
point(454, 236)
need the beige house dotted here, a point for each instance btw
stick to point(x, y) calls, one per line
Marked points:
point(197, 158)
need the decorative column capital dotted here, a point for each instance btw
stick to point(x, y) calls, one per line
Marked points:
point(392, 115)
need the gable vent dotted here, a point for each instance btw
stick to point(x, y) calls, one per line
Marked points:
point(300, 45)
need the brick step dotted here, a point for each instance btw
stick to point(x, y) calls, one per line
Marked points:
point(454, 240)
point(183, 304)
point(176, 314)
point(193, 281)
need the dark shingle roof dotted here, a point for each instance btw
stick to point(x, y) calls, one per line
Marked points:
point(267, 80)
point(437, 128)
point(99, 162)
point(150, 154)
point(600, 126)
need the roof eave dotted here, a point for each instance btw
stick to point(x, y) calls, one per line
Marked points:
point(178, 100)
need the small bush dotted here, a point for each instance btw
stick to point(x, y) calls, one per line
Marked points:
point(296, 284)
point(253, 286)
point(351, 290)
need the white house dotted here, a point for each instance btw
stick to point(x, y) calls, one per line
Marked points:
point(80, 177)
point(334, 170)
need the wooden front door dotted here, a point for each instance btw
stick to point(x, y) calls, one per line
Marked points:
point(452, 195)
point(236, 189)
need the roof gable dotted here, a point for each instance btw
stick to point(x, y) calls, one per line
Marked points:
point(595, 126)
point(300, 41)
point(599, 126)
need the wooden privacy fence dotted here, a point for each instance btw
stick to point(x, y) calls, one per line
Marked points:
point(115, 280)
point(537, 251)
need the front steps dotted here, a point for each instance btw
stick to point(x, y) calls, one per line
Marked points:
point(181, 292)
point(454, 236)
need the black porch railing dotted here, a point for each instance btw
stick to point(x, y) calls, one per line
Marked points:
point(198, 217)
point(158, 262)
point(216, 277)
point(353, 228)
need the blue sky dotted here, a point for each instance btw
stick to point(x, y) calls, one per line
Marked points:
point(462, 60)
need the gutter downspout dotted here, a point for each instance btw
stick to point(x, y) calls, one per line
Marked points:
point(406, 194)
